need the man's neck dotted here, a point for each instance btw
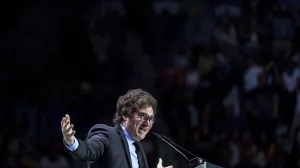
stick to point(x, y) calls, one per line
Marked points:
point(127, 134)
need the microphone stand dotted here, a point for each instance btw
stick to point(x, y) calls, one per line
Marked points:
point(195, 162)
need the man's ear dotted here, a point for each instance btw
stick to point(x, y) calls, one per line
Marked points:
point(125, 118)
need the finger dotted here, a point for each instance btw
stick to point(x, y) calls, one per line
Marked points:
point(66, 126)
point(72, 133)
point(169, 167)
point(70, 129)
point(62, 123)
point(67, 117)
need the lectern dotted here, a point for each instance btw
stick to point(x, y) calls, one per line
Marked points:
point(208, 165)
point(199, 163)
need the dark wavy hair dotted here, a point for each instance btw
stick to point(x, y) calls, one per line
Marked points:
point(131, 102)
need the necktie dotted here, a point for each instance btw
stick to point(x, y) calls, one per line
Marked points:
point(140, 158)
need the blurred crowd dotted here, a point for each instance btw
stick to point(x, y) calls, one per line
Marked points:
point(225, 73)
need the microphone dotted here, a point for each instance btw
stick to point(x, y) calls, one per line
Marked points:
point(194, 162)
point(172, 142)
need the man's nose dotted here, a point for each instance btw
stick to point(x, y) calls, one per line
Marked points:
point(146, 122)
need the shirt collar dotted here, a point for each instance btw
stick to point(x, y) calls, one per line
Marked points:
point(129, 138)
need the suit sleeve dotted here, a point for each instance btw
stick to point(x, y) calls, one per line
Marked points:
point(93, 147)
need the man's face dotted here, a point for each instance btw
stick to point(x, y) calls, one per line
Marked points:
point(140, 123)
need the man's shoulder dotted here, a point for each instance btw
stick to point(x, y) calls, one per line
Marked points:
point(101, 127)
point(104, 131)
point(104, 126)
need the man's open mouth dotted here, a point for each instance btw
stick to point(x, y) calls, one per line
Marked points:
point(142, 129)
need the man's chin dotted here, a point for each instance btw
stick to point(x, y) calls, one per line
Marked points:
point(140, 136)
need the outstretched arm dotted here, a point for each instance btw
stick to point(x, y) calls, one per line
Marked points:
point(92, 148)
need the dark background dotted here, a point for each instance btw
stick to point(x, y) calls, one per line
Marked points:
point(225, 74)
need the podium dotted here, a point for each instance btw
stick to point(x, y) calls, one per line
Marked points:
point(199, 163)
point(208, 165)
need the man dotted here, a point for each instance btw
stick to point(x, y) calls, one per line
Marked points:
point(119, 146)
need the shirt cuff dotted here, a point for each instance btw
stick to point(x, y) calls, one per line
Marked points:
point(74, 146)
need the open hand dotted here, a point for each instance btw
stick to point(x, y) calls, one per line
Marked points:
point(159, 165)
point(67, 130)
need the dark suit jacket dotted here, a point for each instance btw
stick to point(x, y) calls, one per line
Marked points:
point(105, 147)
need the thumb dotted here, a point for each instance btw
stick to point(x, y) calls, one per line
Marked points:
point(160, 161)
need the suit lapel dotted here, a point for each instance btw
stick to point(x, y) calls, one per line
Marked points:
point(125, 143)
